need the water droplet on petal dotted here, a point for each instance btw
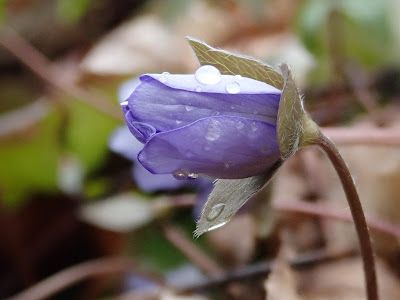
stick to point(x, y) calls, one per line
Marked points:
point(233, 87)
point(198, 89)
point(163, 78)
point(215, 211)
point(208, 75)
point(233, 107)
point(192, 176)
point(254, 126)
point(124, 103)
point(181, 174)
point(239, 125)
point(165, 73)
point(228, 164)
point(189, 108)
point(178, 122)
point(238, 77)
point(214, 130)
point(215, 113)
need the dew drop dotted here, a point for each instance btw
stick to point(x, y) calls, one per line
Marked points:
point(215, 211)
point(188, 108)
point(238, 77)
point(165, 73)
point(208, 75)
point(239, 125)
point(233, 87)
point(198, 89)
point(214, 130)
point(254, 127)
point(163, 78)
point(215, 113)
point(192, 176)
point(181, 174)
point(124, 103)
point(178, 122)
point(228, 164)
point(233, 107)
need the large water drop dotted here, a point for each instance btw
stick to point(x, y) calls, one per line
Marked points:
point(208, 75)
point(189, 108)
point(215, 211)
point(233, 87)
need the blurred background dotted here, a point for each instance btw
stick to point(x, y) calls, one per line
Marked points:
point(77, 222)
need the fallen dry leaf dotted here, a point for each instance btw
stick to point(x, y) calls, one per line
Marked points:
point(344, 280)
point(282, 281)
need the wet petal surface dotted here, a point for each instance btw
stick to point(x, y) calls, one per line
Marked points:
point(221, 147)
point(178, 100)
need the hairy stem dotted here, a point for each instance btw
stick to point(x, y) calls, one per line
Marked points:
point(357, 212)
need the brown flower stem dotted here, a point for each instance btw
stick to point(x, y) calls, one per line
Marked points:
point(357, 212)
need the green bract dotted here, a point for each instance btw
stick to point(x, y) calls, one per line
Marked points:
point(294, 129)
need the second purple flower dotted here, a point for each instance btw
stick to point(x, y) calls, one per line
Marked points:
point(223, 126)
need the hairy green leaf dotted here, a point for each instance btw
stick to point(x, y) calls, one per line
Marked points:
point(233, 64)
point(227, 197)
point(290, 116)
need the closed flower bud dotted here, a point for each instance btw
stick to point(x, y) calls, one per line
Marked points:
point(223, 126)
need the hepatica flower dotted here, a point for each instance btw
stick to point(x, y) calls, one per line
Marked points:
point(225, 121)
point(223, 126)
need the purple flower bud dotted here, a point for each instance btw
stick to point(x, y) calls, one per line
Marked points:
point(223, 126)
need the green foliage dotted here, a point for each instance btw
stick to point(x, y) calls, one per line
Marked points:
point(361, 29)
point(149, 244)
point(2, 10)
point(87, 135)
point(30, 164)
point(72, 10)
point(233, 64)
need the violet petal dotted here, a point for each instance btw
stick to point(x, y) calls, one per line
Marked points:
point(185, 101)
point(221, 147)
point(141, 131)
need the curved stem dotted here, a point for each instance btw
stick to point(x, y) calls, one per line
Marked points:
point(357, 212)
